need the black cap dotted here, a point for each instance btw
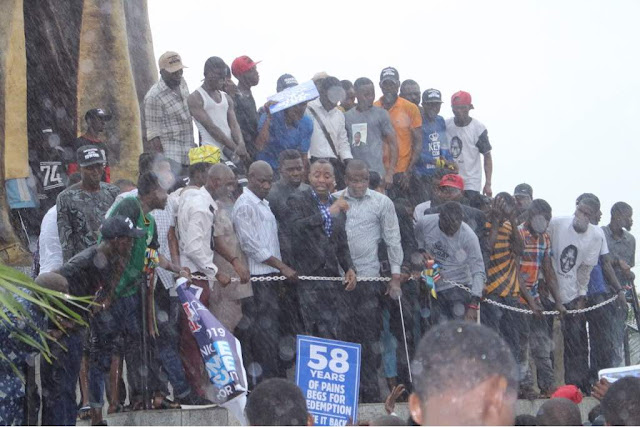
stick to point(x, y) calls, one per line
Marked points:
point(88, 155)
point(285, 81)
point(431, 95)
point(523, 190)
point(97, 112)
point(390, 73)
point(120, 226)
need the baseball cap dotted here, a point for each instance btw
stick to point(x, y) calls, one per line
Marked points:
point(390, 73)
point(97, 112)
point(461, 98)
point(432, 95)
point(171, 62)
point(452, 180)
point(120, 226)
point(241, 65)
point(570, 392)
point(523, 190)
point(285, 81)
point(88, 155)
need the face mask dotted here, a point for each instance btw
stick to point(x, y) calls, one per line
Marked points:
point(539, 224)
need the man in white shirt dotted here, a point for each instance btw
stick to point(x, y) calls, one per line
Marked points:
point(575, 247)
point(194, 228)
point(330, 143)
point(257, 231)
point(469, 139)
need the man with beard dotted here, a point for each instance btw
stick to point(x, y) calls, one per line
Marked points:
point(166, 114)
point(317, 221)
point(245, 70)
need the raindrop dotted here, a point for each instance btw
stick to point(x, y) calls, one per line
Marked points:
point(100, 260)
point(459, 330)
point(458, 310)
point(106, 8)
point(47, 104)
point(254, 369)
point(483, 357)
point(61, 113)
point(425, 313)
point(144, 371)
point(86, 66)
point(336, 94)
point(461, 255)
point(53, 140)
point(163, 317)
point(90, 36)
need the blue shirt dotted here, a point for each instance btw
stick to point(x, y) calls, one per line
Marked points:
point(283, 137)
point(434, 145)
point(597, 283)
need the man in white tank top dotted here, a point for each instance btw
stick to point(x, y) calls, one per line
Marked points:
point(214, 114)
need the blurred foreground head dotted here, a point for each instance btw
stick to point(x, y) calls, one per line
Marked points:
point(559, 411)
point(277, 402)
point(464, 374)
point(621, 404)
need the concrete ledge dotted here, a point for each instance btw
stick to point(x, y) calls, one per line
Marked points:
point(220, 417)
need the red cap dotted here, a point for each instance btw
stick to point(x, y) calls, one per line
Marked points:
point(570, 392)
point(452, 180)
point(461, 98)
point(241, 65)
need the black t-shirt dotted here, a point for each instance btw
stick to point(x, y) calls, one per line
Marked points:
point(247, 116)
point(87, 272)
point(49, 170)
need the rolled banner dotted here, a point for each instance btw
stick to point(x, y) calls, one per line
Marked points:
point(221, 351)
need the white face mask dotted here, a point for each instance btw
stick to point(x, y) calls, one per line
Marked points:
point(539, 224)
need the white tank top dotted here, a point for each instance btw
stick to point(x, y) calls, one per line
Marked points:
point(217, 112)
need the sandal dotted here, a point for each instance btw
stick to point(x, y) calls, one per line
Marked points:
point(84, 413)
point(115, 409)
point(164, 403)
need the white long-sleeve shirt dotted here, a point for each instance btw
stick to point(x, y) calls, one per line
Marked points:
point(257, 231)
point(334, 122)
point(49, 242)
point(195, 216)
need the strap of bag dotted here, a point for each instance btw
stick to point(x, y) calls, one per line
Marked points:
point(325, 132)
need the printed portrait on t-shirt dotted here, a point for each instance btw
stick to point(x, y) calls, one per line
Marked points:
point(568, 258)
point(456, 147)
point(359, 132)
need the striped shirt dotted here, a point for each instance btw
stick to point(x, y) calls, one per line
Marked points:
point(536, 249)
point(257, 231)
point(167, 116)
point(163, 221)
point(502, 273)
point(370, 220)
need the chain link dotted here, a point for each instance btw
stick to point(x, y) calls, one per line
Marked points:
point(527, 311)
point(387, 279)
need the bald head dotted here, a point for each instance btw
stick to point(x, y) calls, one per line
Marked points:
point(260, 177)
point(221, 182)
point(53, 281)
point(559, 412)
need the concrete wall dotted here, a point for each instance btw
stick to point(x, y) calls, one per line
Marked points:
point(220, 417)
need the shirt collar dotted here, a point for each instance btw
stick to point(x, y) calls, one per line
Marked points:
point(253, 198)
point(348, 196)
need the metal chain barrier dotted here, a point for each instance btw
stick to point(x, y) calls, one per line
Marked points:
point(459, 285)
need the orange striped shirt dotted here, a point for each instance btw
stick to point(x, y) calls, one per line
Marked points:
point(502, 273)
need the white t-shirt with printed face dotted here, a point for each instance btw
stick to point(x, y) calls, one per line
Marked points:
point(466, 144)
point(569, 251)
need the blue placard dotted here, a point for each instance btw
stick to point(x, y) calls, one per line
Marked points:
point(293, 96)
point(328, 373)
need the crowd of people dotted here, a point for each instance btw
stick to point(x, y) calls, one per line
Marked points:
point(344, 185)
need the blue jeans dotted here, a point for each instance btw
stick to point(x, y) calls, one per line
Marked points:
point(59, 379)
point(166, 344)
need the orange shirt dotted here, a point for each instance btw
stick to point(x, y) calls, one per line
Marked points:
point(405, 116)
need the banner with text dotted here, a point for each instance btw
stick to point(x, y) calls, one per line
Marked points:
point(293, 96)
point(220, 350)
point(328, 373)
